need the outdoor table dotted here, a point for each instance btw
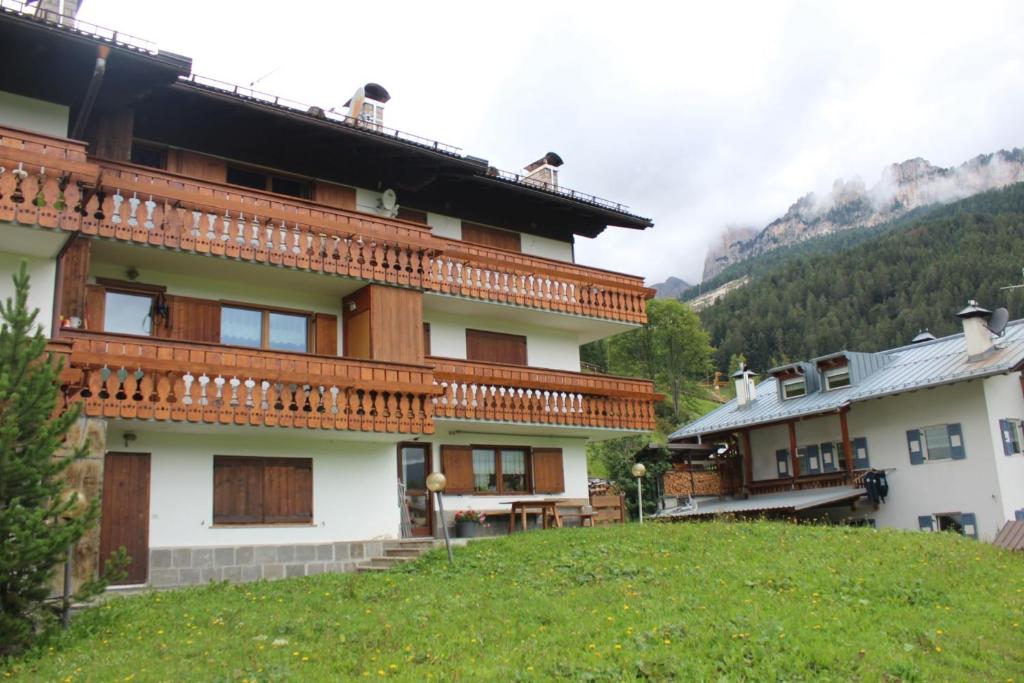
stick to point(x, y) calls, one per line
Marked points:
point(547, 506)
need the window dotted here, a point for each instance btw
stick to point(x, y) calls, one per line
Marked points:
point(837, 378)
point(1010, 430)
point(793, 388)
point(502, 469)
point(964, 523)
point(491, 237)
point(495, 347)
point(128, 313)
point(145, 154)
point(499, 470)
point(262, 490)
point(263, 329)
point(260, 180)
point(937, 442)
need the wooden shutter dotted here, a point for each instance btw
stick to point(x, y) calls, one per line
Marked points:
point(194, 319)
point(74, 272)
point(326, 334)
point(426, 339)
point(956, 441)
point(237, 490)
point(969, 522)
point(926, 523)
point(491, 237)
point(412, 215)
point(813, 461)
point(495, 347)
point(338, 196)
point(860, 453)
point(288, 490)
point(457, 466)
point(915, 447)
point(548, 473)
point(782, 462)
point(95, 302)
point(1005, 431)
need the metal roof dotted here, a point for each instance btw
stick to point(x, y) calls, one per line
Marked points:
point(788, 500)
point(907, 368)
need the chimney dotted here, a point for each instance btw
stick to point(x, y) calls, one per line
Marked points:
point(745, 391)
point(977, 336)
point(543, 172)
point(366, 107)
point(923, 336)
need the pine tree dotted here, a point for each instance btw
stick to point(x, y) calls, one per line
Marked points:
point(39, 519)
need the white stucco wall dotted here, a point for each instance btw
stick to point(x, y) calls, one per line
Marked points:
point(1004, 399)
point(354, 486)
point(34, 115)
point(43, 276)
point(767, 440)
point(545, 347)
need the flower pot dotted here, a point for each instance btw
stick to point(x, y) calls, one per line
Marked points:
point(465, 528)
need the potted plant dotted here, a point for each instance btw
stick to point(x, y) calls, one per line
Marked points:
point(469, 523)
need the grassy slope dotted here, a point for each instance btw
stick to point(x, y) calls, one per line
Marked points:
point(762, 601)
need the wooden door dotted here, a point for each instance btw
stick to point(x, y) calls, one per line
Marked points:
point(125, 520)
point(413, 468)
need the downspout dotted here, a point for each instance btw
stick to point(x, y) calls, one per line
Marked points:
point(90, 94)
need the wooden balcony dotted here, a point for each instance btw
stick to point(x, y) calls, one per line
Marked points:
point(50, 182)
point(506, 393)
point(802, 483)
point(125, 377)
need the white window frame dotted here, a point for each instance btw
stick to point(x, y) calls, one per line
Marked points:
point(836, 372)
point(793, 381)
point(967, 530)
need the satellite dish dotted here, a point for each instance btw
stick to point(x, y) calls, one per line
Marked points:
point(997, 321)
point(389, 200)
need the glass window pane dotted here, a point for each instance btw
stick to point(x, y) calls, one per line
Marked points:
point(127, 313)
point(287, 332)
point(240, 326)
point(414, 468)
point(937, 441)
point(485, 476)
point(838, 379)
point(513, 470)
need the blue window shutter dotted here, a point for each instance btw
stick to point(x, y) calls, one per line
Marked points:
point(915, 447)
point(782, 462)
point(926, 523)
point(956, 441)
point(970, 524)
point(1019, 515)
point(828, 458)
point(813, 461)
point(1006, 431)
point(860, 453)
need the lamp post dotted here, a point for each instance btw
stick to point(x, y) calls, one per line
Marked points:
point(435, 484)
point(639, 471)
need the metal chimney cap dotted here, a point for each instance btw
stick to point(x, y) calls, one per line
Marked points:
point(744, 373)
point(923, 336)
point(973, 310)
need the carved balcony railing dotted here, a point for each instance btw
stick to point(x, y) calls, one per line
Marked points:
point(490, 274)
point(127, 377)
point(51, 183)
point(505, 393)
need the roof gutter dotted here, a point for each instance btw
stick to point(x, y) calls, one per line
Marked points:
point(102, 52)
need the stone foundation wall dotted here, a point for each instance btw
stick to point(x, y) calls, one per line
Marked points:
point(192, 566)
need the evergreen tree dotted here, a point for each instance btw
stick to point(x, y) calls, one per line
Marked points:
point(39, 519)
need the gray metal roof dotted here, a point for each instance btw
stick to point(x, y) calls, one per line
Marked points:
point(907, 368)
point(788, 500)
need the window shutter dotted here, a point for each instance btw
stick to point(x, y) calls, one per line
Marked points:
point(548, 473)
point(860, 453)
point(970, 524)
point(828, 458)
point(95, 298)
point(194, 319)
point(1019, 515)
point(813, 461)
point(956, 441)
point(914, 447)
point(326, 334)
point(237, 490)
point(457, 466)
point(926, 523)
point(782, 462)
point(1006, 430)
point(288, 490)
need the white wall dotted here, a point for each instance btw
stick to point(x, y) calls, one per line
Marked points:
point(1004, 398)
point(42, 281)
point(34, 115)
point(545, 347)
point(354, 486)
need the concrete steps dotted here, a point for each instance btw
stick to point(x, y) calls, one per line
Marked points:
point(396, 553)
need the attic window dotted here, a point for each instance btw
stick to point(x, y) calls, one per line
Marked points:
point(794, 388)
point(837, 378)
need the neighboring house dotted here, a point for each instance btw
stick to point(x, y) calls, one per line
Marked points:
point(274, 314)
point(941, 417)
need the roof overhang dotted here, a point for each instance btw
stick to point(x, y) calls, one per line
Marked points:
point(789, 501)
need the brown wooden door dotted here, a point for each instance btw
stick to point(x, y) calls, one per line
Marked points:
point(413, 468)
point(125, 520)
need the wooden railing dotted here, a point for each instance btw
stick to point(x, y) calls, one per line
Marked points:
point(490, 391)
point(492, 274)
point(139, 378)
point(50, 182)
point(814, 481)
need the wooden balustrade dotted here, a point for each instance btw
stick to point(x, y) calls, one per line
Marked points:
point(815, 481)
point(491, 274)
point(490, 391)
point(49, 182)
point(138, 378)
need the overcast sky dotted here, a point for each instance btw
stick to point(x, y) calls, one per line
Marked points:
point(696, 115)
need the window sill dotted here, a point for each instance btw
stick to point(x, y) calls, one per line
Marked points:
point(260, 525)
